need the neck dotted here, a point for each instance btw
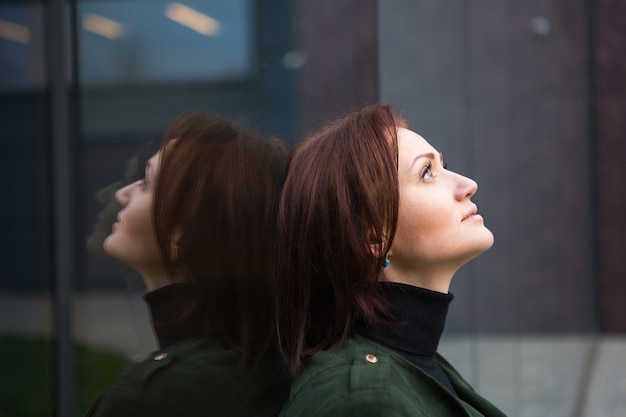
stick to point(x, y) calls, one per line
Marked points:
point(155, 278)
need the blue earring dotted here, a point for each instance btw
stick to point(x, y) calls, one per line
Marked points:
point(387, 262)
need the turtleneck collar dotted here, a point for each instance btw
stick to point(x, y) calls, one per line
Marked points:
point(422, 314)
point(170, 308)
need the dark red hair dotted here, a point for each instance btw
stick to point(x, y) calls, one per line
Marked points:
point(337, 218)
point(215, 212)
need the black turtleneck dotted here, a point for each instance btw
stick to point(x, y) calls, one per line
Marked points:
point(170, 307)
point(423, 317)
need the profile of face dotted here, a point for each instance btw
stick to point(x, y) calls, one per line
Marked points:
point(133, 238)
point(438, 227)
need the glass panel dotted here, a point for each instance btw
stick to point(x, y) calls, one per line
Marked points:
point(141, 64)
point(25, 270)
point(157, 41)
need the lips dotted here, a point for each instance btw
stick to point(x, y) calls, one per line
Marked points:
point(471, 213)
point(117, 223)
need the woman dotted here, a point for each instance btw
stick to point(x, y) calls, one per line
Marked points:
point(372, 228)
point(200, 229)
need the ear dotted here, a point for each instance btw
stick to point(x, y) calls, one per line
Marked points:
point(379, 241)
point(375, 249)
point(176, 236)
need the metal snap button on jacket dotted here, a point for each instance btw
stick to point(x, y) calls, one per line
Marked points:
point(371, 358)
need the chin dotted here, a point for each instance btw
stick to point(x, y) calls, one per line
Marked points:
point(478, 245)
point(110, 247)
point(485, 241)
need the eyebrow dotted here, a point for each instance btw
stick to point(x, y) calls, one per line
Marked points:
point(429, 155)
point(148, 169)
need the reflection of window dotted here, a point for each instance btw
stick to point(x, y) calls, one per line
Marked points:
point(19, 47)
point(147, 41)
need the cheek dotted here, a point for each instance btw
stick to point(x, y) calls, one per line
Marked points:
point(423, 217)
point(140, 224)
point(423, 227)
point(140, 231)
point(138, 217)
point(136, 224)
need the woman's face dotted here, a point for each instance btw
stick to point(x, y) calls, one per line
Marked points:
point(133, 239)
point(438, 226)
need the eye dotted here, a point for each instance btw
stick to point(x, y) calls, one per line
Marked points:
point(427, 172)
point(143, 184)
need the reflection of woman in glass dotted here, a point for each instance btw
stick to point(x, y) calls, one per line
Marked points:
point(133, 170)
point(372, 229)
point(199, 228)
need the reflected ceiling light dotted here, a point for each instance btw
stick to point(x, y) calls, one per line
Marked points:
point(14, 32)
point(193, 19)
point(102, 26)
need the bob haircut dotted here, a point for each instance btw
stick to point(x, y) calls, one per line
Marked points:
point(337, 219)
point(215, 213)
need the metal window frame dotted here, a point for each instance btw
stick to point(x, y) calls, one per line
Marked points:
point(60, 57)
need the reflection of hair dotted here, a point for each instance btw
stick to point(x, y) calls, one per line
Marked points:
point(215, 210)
point(338, 216)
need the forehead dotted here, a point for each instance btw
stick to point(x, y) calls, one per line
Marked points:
point(154, 159)
point(410, 144)
point(152, 165)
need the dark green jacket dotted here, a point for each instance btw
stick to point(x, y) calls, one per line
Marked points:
point(188, 379)
point(365, 379)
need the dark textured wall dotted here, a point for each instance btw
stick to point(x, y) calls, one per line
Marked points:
point(610, 140)
point(339, 40)
point(502, 89)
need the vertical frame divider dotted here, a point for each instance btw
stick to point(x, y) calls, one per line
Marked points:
point(64, 196)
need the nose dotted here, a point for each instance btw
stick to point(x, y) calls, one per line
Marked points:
point(466, 187)
point(105, 195)
point(123, 195)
